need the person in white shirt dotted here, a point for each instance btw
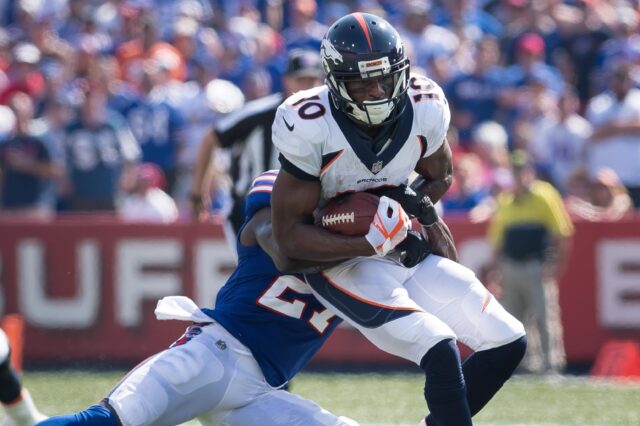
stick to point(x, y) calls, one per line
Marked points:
point(148, 202)
point(561, 147)
point(615, 142)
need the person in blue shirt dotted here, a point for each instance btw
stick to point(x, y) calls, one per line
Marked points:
point(229, 367)
point(475, 96)
point(100, 152)
point(156, 124)
point(26, 166)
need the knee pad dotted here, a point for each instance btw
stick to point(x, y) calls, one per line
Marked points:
point(10, 386)
point(444, 372)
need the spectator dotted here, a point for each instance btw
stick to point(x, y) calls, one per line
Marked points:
point(101, 152)
point(530, 231)
point(156, 124)
point(25, 165)
point(606, 199)
point(427, 40)
point(23, 74)
point(133, 54)
point(530, 65)
point(475, 95)
point(467, 190)
point(615, 143)
point(305, 31)
point(560, 147)
point(147, 202)
point(489, 143)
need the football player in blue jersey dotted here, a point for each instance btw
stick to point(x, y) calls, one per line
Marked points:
point(369, 128)
point(229, 367)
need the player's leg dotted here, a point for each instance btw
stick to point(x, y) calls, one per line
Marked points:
point(368, 293)
point(206, 370)
point(19, 408)
point(454, 294)
point(278, 408)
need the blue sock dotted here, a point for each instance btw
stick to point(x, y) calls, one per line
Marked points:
point(444, 389)
point(486, 371)
point(96, 415)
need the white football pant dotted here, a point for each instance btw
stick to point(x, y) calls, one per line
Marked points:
point(212, 376)
point(406, 311)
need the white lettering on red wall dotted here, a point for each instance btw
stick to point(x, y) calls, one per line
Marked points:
point(619, 283)
point(136, 279)
point(76, 312)
point(211, 257)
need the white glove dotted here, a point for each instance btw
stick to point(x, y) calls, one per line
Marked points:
point(389, 227)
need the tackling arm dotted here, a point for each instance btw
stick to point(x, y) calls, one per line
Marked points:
point(293, 202)
point(259, 230)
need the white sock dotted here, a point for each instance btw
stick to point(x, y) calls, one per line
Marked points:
point(24, 411)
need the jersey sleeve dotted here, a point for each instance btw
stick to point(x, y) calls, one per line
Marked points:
point(234, 127)
point(299, 142)
point(259, 195)
point(432, 112)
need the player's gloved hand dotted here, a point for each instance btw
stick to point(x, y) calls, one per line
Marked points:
point(389, 226)
point(413, 249)
point(416, 205)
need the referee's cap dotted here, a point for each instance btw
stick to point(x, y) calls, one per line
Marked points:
point(304, 63)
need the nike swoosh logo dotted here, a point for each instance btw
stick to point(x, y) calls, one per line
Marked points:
point(290, 127)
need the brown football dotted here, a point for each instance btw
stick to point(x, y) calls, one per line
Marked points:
point(348, 214)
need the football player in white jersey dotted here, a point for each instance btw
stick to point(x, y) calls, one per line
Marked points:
point(368, 128)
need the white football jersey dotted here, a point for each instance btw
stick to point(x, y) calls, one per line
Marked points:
point(322, 143)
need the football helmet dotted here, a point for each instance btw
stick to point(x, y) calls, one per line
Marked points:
point(363, 46)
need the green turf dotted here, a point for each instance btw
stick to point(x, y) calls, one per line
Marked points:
point(394, 399)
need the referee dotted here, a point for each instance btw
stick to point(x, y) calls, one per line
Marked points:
point(246, 133)
point(530, 233)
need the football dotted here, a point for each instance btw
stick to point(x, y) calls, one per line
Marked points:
point(348, 214)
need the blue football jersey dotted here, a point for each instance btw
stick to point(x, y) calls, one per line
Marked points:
point(274, 315)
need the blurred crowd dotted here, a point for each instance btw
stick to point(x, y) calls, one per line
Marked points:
point(103, 104)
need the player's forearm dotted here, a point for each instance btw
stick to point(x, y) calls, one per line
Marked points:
point(310, 243)
point(435, 189)
point(441, 240)
point(264, 236)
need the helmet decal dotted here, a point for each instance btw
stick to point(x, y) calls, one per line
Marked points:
point(365, 29)
point(328, 51)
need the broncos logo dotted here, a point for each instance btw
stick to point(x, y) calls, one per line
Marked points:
point(328, 51)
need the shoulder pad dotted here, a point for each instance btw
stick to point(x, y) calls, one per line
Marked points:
point(431, 109)
point(299, 129)
point(259, 195)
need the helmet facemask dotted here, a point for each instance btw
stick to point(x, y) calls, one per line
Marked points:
point(370, 113)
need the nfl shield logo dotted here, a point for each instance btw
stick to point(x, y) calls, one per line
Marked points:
point(376, 167)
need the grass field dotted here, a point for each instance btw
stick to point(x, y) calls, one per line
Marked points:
point(395, 398)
